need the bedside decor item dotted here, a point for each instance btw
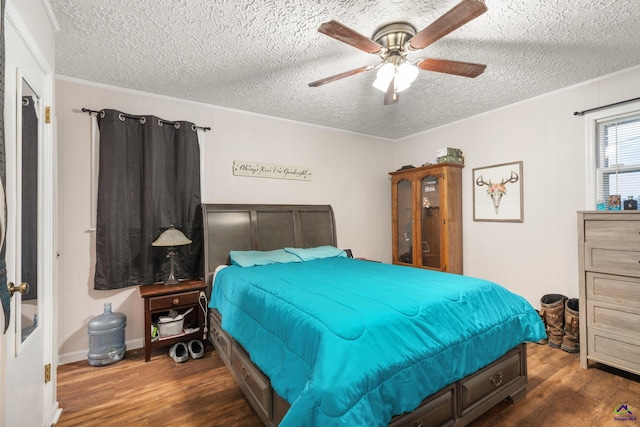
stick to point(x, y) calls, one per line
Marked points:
point(171, 238)
point(497, 193)
point(106, 337)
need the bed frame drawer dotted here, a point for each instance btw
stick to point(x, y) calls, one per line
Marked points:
point(219, 338)
point(437, 410)
point(253, 382)
point(475, 389)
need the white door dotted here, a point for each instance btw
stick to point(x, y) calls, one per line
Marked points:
point(26, 347)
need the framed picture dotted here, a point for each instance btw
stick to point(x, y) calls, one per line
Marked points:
point(497, 193)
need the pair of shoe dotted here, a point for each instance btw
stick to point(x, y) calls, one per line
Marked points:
point(180, 351)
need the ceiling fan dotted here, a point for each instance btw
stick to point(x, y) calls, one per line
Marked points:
point(394, 41)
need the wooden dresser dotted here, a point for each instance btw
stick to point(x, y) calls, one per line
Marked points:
point(609, 263)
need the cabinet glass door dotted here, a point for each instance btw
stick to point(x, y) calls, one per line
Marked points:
point(405, 222)
point(430, 221)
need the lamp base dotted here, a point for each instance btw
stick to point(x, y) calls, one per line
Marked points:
point(171, 280)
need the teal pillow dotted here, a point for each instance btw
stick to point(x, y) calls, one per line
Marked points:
point(252, 258)
point(308, 254)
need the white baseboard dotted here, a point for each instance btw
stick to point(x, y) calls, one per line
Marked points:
point(77, 356)
point(57, 411)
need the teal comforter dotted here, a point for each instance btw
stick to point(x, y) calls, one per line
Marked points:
point(351, 343)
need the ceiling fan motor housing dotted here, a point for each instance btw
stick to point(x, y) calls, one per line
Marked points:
point(394, 36)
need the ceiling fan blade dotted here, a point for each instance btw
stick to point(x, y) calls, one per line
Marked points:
point(465, 69)
point(351, 37)
point(340, 76)
point(391, 96)
point(459, 15)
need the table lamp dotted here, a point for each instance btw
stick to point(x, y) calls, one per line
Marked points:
point(171, 237)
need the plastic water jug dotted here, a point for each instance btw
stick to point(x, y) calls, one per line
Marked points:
point(106, 337)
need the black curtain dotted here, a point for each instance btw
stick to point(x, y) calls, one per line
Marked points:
point(149, 179)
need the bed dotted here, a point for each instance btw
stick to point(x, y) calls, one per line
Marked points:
point(330, 340)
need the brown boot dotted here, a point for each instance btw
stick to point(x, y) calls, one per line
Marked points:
point(571, 339)
point(552, 311)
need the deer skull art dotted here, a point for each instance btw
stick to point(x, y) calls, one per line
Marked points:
point(496, 191)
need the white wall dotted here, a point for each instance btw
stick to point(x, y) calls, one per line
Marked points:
point(532, 258)
point(538, 256)
point(349, 172)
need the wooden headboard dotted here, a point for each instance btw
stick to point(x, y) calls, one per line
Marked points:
point(263, 227)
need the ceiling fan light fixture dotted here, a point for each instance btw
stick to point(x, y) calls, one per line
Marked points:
point(384, 76)
point(406, 74)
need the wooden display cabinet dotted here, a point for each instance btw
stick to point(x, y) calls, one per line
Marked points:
point(427, 217)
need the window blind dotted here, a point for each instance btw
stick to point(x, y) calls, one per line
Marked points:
point(618, 158)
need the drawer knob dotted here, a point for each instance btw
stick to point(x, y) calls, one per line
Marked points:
point(497, 382)
point(175, 301)
point(245, 374)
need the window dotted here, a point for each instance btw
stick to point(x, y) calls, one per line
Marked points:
point(615, 152)
point(618, 157)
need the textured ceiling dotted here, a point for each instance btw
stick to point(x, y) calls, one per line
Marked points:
point(259, 55)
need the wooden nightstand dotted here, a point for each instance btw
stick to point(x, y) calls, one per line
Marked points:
point(160, 298)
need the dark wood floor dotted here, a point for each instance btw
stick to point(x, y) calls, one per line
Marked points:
point(202, 393)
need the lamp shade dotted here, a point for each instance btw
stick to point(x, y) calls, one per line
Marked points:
point(171, 237)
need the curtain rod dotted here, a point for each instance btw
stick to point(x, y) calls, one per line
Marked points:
point(130, 116)
point(581, 113)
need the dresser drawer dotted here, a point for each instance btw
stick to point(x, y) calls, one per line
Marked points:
point(623, 319)
point(612, 233)
point(614, 349)
point(176, 300)
point(253, 382)
point(621, 259)
point(436, 410)
point(615, 289)
point(218, 337)
point(485, 382)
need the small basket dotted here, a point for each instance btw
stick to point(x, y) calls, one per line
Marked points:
point(167, 329)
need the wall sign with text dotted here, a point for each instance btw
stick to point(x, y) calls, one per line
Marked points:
point(263, 170)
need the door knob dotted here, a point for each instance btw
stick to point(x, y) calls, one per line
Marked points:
point(23, 288)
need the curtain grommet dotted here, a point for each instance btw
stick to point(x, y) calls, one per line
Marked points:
point(176, 125)
point(160, 122)
point(143, 120)
point(121, 117)
point(102, 114)
point(193, 128)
